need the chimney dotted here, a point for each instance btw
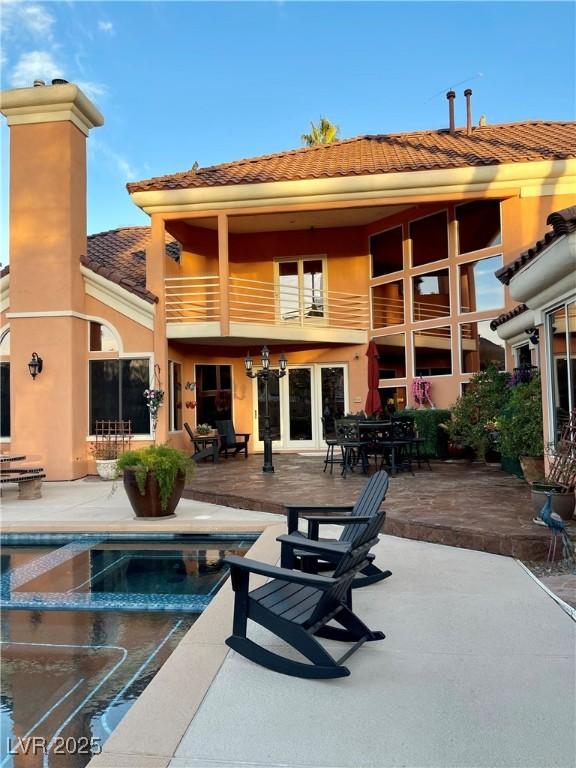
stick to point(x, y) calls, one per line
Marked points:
point(451, 95)
point(468, 94)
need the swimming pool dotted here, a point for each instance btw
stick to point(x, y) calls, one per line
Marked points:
point(87, 621)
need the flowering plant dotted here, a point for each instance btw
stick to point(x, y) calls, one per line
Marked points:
point(154, 398)
point(203, 429)
point(421, 391)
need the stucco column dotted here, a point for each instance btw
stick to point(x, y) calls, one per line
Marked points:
point(49, 415)
point(155, 282)
point(224, 274)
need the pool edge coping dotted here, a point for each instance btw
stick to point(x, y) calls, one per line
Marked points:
point(150, 731)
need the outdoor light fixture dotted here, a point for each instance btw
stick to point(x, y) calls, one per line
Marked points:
point(264, 376)
point(35, 365)
point(533, 334)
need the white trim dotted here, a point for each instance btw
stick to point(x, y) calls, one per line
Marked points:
point(49, 313)
point(118, 298)
point(515, 327)
point(193, 330)
point(546, 276)
point(418, 184)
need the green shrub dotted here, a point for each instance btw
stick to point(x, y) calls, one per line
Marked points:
point(520, 422)
point(164, 461)
point(478, 408)
point(427, 422)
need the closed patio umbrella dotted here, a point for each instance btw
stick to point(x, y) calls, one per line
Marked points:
point(373, 402)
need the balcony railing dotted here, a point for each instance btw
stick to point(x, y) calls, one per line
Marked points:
point(198, 300)
point(390, 311)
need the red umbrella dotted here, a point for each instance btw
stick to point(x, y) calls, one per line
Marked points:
point(373, 402)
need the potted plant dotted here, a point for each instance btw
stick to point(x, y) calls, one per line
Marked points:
point(105, 452)
point(204, 430)
point(521, 428)
point(154, 478)
point(562, 498)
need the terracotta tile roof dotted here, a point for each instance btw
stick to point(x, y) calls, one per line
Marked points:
point(563, 222)
point(422, 150)
point(501, 319)
point(120, 256)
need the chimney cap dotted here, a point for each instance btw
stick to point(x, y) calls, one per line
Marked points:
point(468, 92)
point(38, 83)
point(451, 95)
point(59, 81)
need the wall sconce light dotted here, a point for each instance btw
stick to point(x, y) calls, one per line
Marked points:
point(533, 334)
point(35, 365)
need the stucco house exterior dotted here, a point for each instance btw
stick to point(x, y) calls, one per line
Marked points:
point(313, 252)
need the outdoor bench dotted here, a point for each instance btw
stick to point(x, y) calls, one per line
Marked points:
point(29, 481)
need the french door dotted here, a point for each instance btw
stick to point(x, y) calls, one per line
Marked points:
point(297, 403)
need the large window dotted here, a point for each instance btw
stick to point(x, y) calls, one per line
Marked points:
point(478, 225)
point(386, 252)
point(429, 238)
point(175, 391)
point(562, 363)
point(388, 304)
point(333, 404)
point(117, 392)
point(213, 393)
point(431, 294)
point(480, 289)
point(392, 356)
point(433, 351)
point(301, 289)
point(480, 347)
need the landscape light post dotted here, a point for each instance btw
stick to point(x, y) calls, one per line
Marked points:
point(264, 375)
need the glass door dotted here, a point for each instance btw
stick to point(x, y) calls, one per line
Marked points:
point(299, 427)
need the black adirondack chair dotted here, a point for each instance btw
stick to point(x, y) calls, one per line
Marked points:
point(230, 440)
point(354, 521)
point(296, 607)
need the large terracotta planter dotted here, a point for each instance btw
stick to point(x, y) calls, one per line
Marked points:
point(148, 505)
point(562, 503)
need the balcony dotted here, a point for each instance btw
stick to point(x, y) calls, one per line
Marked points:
point(259, 309)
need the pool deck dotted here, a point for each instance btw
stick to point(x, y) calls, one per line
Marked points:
point(477, 670)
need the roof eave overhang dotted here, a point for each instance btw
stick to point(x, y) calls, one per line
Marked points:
point(531, 179)
point(548, 276)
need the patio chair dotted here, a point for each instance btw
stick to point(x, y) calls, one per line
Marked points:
point(229, 439)
point(355, 519)
point(331, 440)
point(297, 607)
point(353, 447)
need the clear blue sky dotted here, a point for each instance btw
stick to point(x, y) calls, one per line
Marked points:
point(182, 82)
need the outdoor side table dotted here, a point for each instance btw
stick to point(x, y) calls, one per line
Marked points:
point(206, 447)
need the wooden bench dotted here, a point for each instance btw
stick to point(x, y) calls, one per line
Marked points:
point(29, 481)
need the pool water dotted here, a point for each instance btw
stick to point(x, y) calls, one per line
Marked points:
point(86, 624)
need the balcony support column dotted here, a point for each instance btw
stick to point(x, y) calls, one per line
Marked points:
point(224, 274)
point(155, 282)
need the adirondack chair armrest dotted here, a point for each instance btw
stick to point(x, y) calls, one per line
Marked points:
point(243, 434)
point(294, 511)
point(274, 572)
point(300, 542)
point(314, 522)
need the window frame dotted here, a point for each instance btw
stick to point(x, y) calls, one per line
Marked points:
point(440, 262)
point(98, 357)
point(172, 400)
point(323, 257)
point(457, 228)
point(463, 263)
point(397, 271)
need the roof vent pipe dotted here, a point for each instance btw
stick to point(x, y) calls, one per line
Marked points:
point(468, 94)
point(38, 83)
point(451, 95)
point(59, 81)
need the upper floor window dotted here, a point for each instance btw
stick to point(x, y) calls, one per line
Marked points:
point(102, 339)
point(431, 295)
point(386, 252)
point(429, 238)
point(478, 225)
point(301, 288)
point(480, 289)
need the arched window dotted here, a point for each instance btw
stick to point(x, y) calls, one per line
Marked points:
point(102, 339)
point(5, 342)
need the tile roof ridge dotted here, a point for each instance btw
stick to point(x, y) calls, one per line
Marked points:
point(119, 229)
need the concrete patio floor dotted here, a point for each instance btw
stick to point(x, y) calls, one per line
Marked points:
point(477, 669)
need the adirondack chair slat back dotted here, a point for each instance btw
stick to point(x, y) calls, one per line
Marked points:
point(347, 568)
point(226, 431)
point(189, 431)
point(367, 504)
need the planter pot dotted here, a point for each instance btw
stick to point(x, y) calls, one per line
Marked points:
point(107, 468)
point(148, 504)
point(532, 468)
point(562, 503)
